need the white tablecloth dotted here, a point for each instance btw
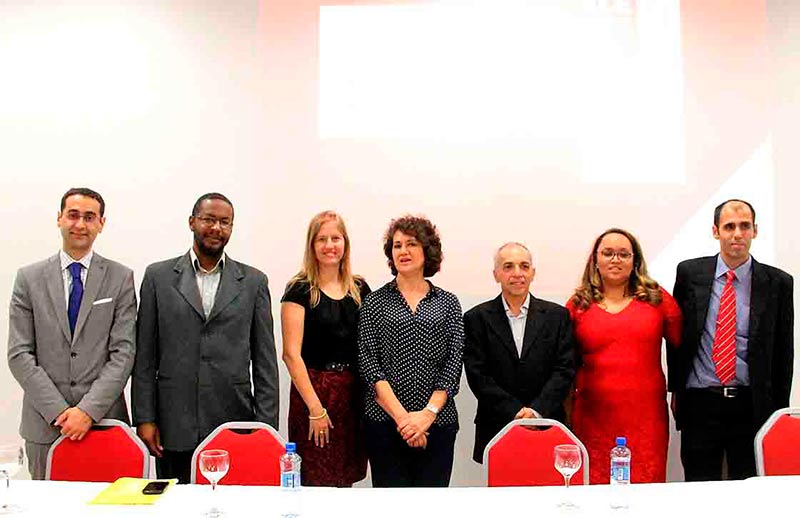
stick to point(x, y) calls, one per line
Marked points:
point(754, 498)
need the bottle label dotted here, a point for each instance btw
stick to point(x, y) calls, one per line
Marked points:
point(290, 479)
point(621, 473)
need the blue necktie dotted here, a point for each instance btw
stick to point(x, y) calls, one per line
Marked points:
point(75, 295)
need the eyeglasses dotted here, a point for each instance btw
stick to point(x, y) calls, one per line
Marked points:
point(75, 216)
point(224, 224)
point(622, 255)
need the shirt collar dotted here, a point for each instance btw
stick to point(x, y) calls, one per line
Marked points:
point(523, 310)
point(742, 272)
point(432, 292)
point(199, 269)
point(66, 260)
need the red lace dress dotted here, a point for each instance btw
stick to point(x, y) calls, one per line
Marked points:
point(329, 350)
point(620, 388)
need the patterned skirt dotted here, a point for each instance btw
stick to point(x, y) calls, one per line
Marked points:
point(343, 461)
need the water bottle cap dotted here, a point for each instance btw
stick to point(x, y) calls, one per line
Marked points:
point(291, 447)
point(621, 441)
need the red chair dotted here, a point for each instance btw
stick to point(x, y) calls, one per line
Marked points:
point(254, 450)
point(777, 444)
point(109, 451)
point(521, 454)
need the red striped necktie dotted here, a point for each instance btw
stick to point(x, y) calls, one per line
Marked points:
point(723, 352)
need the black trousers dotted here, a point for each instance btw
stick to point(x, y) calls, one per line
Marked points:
point(395, 464)
point(175, 464)
point(713, 427)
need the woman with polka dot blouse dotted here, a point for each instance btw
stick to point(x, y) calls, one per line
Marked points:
point(410, 347)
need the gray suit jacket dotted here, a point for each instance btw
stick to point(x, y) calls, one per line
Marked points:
point(193, 374)
point(56, 371)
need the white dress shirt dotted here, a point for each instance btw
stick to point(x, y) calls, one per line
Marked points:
point(66, 260)
point(207, 280)
point(517, 323)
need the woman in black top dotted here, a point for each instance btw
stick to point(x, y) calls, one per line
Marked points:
point(319, 318)
point(410, 346)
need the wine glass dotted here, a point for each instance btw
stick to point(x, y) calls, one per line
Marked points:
point(567, 462)
point(11, 458)
point(214, 465)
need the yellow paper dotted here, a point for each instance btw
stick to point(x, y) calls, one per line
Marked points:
point(127, 491)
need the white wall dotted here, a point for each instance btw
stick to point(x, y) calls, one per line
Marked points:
point(153, 104)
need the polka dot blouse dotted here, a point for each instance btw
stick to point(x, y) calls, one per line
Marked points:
point(416, 353)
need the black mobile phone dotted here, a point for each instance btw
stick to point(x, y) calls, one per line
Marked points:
point(155, 488)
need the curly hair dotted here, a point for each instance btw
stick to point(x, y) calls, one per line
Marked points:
point(425, 232)
point(640, 285)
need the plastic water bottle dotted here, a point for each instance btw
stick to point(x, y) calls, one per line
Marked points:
point(620, 474)
point(290, 467)
point(290, 481)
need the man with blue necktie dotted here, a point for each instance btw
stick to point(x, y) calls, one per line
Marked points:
point(71, 335)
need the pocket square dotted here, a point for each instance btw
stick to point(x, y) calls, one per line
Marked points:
point(101, 301)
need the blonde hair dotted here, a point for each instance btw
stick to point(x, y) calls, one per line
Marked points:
point(310, 271)
point(640, 285)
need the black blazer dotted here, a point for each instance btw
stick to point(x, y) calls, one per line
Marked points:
point(504, 381)
point(770, 348)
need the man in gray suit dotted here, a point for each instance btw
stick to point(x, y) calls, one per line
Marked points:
point(204, 320)
point(71, 333)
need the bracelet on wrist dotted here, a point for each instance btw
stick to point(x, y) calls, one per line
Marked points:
point(433, 409)
point(316, 417)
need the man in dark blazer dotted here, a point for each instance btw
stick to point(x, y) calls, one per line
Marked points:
point(71, 332)
point(204, 320)
point(519, 354)
point(729, 300)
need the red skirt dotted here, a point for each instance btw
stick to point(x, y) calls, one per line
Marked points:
point(343, 461)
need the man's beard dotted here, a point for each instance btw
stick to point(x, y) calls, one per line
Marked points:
point(214, 253)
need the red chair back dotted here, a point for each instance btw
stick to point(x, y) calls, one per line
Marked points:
point(109, 451)
point(254, 450)
point(778, 444)
point(521, 454)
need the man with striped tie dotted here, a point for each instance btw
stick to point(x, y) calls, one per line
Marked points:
point(733, 367)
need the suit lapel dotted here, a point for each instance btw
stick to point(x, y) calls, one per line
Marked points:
point(230, 285)
point(759, 291)
point(94, 279)
point(498, 321)
point(703, 282)
point(55, 287)
point(532, 325)
point(187, 284)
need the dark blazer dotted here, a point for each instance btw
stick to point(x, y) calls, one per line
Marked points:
point(770, 347)
point(504, 381)
point(191, 373)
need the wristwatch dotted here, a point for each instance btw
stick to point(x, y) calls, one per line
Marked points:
point(430, 407)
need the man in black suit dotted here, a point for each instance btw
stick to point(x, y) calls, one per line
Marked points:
point(729, 300)
point(519, 354)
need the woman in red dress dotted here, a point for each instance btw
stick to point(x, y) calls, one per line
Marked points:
point(620, 315)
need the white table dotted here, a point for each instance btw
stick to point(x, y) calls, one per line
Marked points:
point(754, 498)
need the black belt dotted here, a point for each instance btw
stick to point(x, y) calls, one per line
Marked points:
point(336, 366)
point(728, 392)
